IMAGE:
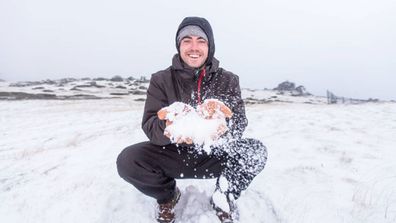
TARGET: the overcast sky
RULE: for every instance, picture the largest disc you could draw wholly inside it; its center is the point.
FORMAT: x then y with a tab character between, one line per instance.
346	46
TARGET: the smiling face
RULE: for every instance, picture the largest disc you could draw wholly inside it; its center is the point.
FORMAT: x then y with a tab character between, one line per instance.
194	51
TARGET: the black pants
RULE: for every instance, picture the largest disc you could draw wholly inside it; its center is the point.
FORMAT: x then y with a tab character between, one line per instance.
153	169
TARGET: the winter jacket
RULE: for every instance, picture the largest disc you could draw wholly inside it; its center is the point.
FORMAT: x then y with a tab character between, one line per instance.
178	83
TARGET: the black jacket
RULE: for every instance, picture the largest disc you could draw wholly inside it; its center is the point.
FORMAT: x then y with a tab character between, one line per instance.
178	83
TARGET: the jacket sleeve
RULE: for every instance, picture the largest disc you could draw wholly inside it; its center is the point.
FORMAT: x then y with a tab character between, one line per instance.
238	122
151	125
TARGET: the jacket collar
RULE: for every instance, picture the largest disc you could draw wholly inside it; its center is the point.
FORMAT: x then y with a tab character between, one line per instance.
188	73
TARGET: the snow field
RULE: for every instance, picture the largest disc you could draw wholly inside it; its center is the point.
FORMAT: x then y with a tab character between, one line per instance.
327	163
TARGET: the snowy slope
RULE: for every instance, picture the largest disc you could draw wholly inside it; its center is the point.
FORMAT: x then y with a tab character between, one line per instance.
327	163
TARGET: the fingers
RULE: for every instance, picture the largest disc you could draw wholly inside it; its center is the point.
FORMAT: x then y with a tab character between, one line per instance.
188	140
221	129
167	134
162	113
211	106
181	140
226	111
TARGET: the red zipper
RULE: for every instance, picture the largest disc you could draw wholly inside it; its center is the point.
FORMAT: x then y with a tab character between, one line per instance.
201	75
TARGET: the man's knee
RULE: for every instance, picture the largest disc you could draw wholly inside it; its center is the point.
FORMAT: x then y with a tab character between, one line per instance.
252	153
260	152
127	160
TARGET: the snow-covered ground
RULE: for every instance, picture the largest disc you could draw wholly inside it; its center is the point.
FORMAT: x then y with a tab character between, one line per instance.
327	164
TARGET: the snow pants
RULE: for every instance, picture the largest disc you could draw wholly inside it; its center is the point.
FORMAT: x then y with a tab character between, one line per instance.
152	169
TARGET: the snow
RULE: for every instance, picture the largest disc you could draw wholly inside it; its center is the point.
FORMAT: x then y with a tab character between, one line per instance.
327	163
218	197
195	124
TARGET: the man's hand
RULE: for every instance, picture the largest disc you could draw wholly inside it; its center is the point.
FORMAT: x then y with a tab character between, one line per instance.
213	108
174	110
169	114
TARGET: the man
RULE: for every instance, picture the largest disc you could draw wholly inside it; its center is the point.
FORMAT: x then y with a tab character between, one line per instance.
153	166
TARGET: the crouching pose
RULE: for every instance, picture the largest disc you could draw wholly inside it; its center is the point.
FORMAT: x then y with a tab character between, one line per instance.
194	76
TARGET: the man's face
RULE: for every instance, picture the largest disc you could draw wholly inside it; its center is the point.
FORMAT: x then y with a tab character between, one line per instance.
194	51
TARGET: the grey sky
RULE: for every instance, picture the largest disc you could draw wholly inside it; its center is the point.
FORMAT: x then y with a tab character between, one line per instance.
347	46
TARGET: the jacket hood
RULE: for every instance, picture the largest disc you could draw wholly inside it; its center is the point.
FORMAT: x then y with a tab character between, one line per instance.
205	26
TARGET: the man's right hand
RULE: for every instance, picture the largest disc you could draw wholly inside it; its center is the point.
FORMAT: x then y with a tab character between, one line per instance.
172	111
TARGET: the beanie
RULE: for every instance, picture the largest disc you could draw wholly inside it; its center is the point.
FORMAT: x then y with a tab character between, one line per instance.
190	30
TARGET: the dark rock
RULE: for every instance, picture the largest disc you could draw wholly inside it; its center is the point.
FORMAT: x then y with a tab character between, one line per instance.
37	88
137	92
28	96
24	96
75	88
25	84
140	99
285	86
120	87
48	81
100	79
300	91
117	78
64	81
48	91
373	100
250	100
290	87
94	84
142	88
79	97
118	93
83	85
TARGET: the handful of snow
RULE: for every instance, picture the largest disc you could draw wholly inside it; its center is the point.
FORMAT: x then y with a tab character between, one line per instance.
201	126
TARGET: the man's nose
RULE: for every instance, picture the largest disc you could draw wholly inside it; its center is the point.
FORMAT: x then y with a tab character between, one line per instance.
194	45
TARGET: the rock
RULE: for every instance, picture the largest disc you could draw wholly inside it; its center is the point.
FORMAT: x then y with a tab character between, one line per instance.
117	78
137	92
100	79
291	88
48	81
119	93
25	84
75	89
285	86
64	81
94	84
24	96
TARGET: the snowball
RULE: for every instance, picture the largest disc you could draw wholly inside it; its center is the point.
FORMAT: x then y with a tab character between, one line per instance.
195	124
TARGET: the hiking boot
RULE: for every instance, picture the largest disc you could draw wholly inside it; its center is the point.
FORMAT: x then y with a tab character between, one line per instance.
225	207
165	211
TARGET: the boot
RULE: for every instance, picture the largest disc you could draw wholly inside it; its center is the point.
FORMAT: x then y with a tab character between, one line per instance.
224	206
165	211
